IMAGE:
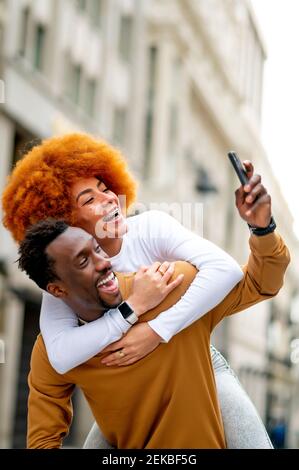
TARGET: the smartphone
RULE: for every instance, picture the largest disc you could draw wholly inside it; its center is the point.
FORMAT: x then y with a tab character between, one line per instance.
239	168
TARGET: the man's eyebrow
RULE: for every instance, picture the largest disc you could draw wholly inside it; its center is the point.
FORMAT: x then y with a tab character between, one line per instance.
89	190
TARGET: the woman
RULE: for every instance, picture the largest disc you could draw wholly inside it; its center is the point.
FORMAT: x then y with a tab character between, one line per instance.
79	179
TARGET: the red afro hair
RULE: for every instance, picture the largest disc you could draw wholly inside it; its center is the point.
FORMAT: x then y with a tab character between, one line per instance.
39	186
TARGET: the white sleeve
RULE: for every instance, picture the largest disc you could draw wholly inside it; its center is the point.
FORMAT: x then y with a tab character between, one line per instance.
69	345
218	274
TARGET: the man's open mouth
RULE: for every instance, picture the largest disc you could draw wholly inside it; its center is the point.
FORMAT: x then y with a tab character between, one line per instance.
108	284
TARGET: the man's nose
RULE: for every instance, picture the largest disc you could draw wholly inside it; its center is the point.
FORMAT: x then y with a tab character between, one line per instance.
101	263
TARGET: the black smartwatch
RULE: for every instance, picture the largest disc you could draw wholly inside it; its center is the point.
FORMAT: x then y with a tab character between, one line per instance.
128	313
263	231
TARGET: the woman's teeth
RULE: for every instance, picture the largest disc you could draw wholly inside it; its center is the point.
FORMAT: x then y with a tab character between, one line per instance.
111	215
107	279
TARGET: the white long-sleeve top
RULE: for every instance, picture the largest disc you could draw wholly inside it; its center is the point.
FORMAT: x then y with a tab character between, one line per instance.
151	236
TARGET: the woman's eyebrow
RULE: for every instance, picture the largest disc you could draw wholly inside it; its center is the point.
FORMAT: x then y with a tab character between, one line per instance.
85	191
89	190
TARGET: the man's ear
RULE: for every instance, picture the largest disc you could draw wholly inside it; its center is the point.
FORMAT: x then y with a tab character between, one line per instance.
56	290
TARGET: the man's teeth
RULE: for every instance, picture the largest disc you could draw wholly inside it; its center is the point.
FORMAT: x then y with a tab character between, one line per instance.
111	215
107	279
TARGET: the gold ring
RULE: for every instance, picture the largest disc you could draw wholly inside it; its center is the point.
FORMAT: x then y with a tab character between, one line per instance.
121	353
161	272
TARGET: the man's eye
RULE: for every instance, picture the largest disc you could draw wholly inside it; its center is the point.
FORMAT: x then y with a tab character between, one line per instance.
83	262
105	190
98	249
88	201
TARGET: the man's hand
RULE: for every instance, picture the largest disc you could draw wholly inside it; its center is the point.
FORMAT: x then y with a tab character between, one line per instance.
252	201
138	342
151	285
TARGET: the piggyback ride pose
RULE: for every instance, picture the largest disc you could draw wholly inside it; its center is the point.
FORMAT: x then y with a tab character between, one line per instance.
80	179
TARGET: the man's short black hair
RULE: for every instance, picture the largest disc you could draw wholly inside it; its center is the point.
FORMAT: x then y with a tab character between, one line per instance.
34	259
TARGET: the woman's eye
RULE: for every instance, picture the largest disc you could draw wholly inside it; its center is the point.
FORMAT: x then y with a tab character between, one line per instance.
98	249
88	201
105	190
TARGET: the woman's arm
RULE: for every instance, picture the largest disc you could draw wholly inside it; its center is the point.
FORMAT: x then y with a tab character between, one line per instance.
218	273
167	239
69	345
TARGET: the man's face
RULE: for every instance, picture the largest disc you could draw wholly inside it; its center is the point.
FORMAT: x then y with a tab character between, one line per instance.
86	277
97	209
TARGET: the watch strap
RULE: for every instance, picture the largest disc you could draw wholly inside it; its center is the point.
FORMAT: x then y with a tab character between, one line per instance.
263	231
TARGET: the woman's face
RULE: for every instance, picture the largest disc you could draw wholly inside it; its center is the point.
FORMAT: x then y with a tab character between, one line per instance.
97	209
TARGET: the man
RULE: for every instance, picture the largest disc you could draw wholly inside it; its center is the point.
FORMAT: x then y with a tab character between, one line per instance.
166	400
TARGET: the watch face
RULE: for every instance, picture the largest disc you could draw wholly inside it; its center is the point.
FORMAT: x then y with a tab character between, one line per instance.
125	310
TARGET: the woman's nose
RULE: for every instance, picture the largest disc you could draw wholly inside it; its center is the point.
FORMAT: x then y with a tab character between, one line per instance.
110	197
107	198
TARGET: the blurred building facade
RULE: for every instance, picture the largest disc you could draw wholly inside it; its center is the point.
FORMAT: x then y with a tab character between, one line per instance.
175	84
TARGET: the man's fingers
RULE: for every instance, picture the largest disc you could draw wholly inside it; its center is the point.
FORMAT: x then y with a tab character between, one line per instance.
172	285
256	179
249	168
263	200
240	192
258	190
240	196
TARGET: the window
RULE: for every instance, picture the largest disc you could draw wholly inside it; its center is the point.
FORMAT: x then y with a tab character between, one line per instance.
96	12
24	31
76	73
174	106
152	66
40	35
81	4
119	126
89	97
125	38
73	80
173	117
79	88
23	143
